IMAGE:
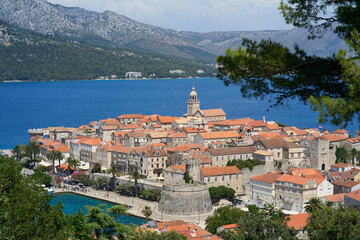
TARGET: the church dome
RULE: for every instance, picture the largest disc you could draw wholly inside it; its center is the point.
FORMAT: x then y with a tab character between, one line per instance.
193	93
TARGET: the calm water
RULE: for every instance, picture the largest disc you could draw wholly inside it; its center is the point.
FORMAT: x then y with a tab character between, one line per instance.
72	202
74	103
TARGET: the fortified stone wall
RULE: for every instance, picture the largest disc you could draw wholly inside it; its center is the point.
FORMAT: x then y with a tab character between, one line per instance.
188	199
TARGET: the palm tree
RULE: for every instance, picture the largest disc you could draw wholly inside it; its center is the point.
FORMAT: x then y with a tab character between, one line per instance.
313	204
59	156
33	149
52	156
72	162
117	210
18	149
136	176
113	170
147	211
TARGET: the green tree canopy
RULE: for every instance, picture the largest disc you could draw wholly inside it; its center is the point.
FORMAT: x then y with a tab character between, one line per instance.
223	216
26	212
330	84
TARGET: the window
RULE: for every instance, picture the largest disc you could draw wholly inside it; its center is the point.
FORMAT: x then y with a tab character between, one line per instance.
215	179
237	176
223	178
208	179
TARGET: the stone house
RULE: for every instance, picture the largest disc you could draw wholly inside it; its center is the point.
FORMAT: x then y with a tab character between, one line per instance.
165	122
135	139
176	138
352	199
274	146
106	131
88	149
149	162
175	174
118	136
262	189
299	222
221	156
292	192
211	115
156	137
129	118
121	157
222	176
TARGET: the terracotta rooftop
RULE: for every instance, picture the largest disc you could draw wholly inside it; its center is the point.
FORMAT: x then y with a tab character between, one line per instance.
234	122
298	221
213	112
335	197
267	177
341	165
354	140
232	150
271	143
166	119
336	138
257	123
220	135
340	131
109	127
92	141
131	126
217	171
177	167
293	179
110	121
126	116
354	195
295	130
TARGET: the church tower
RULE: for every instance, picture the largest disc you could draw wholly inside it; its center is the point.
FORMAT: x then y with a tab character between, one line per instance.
192	104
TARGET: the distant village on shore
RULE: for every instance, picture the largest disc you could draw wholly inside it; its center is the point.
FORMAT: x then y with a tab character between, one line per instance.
288	165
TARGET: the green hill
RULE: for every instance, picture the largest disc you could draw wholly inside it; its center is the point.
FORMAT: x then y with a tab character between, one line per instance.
27	55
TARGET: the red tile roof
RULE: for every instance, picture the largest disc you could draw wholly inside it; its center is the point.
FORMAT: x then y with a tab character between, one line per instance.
92	141
232	150
221	135
217	171
298	221
336	138
213	112
177	167
267	177
354	195
125	116
292	179
335	197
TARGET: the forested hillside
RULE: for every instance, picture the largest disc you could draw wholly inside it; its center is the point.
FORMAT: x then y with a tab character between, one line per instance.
27	55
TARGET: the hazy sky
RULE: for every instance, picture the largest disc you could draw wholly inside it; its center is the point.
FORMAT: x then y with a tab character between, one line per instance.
193	15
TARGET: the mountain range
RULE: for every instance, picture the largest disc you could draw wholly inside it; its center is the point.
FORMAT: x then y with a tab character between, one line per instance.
111	29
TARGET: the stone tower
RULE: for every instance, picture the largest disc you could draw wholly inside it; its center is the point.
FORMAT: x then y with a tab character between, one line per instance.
193	104
192	166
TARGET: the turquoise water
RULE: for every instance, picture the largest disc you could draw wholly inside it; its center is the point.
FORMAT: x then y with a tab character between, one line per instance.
72	202
27	105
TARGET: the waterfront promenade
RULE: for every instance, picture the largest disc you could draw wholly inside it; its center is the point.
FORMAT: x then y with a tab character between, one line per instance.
136	205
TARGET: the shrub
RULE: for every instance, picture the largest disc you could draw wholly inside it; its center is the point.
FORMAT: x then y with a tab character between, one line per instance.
151	194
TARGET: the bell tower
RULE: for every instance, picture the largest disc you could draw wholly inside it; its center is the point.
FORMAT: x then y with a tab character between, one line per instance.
193	104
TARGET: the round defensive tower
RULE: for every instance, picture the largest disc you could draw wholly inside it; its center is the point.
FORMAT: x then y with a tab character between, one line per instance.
185	199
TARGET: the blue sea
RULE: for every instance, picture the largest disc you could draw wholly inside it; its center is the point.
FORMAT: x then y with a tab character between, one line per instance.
25	105
73	202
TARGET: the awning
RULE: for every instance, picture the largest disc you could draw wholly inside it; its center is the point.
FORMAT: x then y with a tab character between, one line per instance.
104	168
45	164
84	166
